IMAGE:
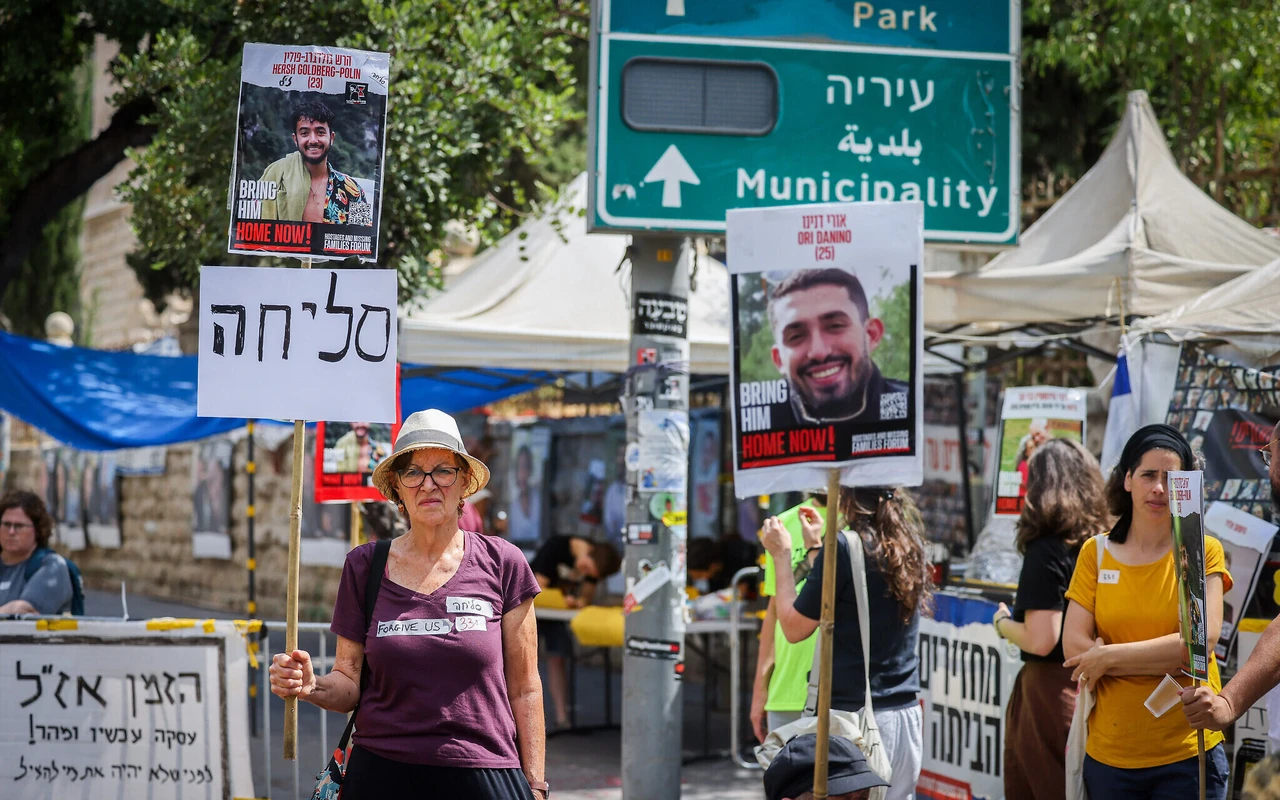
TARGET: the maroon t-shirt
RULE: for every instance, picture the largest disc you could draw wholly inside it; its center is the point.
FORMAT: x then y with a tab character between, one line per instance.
437	690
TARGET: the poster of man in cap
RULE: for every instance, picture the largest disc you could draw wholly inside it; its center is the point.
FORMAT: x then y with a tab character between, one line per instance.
308	165
827	344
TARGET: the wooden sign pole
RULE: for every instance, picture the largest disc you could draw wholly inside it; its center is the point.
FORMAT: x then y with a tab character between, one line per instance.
827	624
1200	749
295	568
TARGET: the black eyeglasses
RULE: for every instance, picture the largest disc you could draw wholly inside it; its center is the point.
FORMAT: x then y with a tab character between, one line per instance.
15	526
442	476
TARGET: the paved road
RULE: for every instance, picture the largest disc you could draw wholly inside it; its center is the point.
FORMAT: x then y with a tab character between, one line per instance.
580	766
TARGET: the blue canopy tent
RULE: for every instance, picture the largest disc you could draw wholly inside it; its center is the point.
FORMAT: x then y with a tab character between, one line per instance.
105	400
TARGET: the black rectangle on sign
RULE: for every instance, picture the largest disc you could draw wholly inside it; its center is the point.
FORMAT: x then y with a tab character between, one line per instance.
653	648
657	314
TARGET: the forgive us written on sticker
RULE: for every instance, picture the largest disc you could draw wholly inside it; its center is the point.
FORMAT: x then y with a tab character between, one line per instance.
415	627
468	605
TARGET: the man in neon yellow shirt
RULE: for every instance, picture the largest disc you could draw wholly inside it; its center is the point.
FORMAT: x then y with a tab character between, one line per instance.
782	668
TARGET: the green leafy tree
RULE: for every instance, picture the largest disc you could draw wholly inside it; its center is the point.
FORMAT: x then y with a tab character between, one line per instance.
893	307
481	91
1209	67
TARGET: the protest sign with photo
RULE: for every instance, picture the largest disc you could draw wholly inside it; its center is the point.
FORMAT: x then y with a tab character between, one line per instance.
102	500
310	135
306	344
326	526
530	446
1186	501
704	474
827	345
69	486
352	450
1246	541
1032	416
211	499
1227	413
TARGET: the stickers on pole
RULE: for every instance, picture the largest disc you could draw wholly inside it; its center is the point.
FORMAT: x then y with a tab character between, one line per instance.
827	345
664	450
1032	415
657	314
654	648
1186	501
308	172
651	580
297	344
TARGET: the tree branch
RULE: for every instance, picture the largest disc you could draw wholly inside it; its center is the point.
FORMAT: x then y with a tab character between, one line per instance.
67	179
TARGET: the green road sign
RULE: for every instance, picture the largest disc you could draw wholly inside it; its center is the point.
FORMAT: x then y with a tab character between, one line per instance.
687	127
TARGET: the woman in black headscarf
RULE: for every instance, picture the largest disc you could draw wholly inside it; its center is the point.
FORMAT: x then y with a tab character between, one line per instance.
1121	635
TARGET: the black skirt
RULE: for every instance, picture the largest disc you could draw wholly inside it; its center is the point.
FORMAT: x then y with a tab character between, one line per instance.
372	777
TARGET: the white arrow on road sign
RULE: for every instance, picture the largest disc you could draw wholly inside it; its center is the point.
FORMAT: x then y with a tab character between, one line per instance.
672	170
675	8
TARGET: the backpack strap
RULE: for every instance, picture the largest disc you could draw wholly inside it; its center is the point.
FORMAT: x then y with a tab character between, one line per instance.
373	583
34	561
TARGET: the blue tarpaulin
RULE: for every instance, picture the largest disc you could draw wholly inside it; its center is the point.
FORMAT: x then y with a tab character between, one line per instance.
105	400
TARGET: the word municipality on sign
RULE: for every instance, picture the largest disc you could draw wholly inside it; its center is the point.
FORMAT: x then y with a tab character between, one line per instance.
701	106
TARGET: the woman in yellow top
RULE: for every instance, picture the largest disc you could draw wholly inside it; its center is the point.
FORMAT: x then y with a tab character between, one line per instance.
1121	634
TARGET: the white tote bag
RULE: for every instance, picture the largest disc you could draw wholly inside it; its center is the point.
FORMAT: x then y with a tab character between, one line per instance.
857	726
1078	736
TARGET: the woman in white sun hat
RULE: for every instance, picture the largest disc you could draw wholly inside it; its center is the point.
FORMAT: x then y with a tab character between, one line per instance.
452	706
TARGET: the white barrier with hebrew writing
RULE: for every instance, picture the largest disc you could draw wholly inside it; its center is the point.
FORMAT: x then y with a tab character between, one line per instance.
123	709
966	674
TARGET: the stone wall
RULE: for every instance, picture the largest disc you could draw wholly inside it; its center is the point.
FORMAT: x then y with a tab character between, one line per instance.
155	556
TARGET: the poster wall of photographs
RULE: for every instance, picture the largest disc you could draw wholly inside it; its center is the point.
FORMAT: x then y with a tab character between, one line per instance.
704	475
1186	501
1227	412
309	118
1031	416
69	485
211	498
827	345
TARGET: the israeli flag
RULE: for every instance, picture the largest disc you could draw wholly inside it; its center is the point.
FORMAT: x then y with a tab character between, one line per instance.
1122	416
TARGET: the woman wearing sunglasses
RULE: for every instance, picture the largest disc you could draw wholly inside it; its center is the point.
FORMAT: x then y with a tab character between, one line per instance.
452	706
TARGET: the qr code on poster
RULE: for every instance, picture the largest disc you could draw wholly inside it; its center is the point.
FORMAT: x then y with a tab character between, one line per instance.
893	405
360	214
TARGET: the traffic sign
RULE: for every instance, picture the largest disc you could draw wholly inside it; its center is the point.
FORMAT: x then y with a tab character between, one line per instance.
687	126
973	26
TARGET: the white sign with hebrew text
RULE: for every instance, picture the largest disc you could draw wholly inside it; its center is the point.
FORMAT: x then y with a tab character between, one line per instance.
287	343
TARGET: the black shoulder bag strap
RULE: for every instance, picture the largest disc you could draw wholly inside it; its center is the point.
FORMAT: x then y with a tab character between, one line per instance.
372	584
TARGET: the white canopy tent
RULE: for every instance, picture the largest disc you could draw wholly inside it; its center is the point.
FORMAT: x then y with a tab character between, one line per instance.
1133	216
551	297
1244	313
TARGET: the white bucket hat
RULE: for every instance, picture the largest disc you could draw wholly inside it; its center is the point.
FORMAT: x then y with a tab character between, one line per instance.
429	430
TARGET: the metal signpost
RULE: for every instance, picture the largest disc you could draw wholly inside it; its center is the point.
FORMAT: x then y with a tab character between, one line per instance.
704	106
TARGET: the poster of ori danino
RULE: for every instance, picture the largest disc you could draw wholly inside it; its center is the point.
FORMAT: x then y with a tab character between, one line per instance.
827	345
1032	415
310	137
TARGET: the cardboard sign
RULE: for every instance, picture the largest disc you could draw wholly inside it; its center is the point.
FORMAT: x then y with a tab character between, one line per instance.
297	344
1032	416
827	345
308	172
1186	501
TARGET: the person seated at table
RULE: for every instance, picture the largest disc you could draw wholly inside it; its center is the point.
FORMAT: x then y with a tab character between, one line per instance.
575	565
714	562
790	774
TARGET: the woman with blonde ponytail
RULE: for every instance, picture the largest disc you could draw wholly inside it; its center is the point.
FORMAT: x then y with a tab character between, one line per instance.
898	589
